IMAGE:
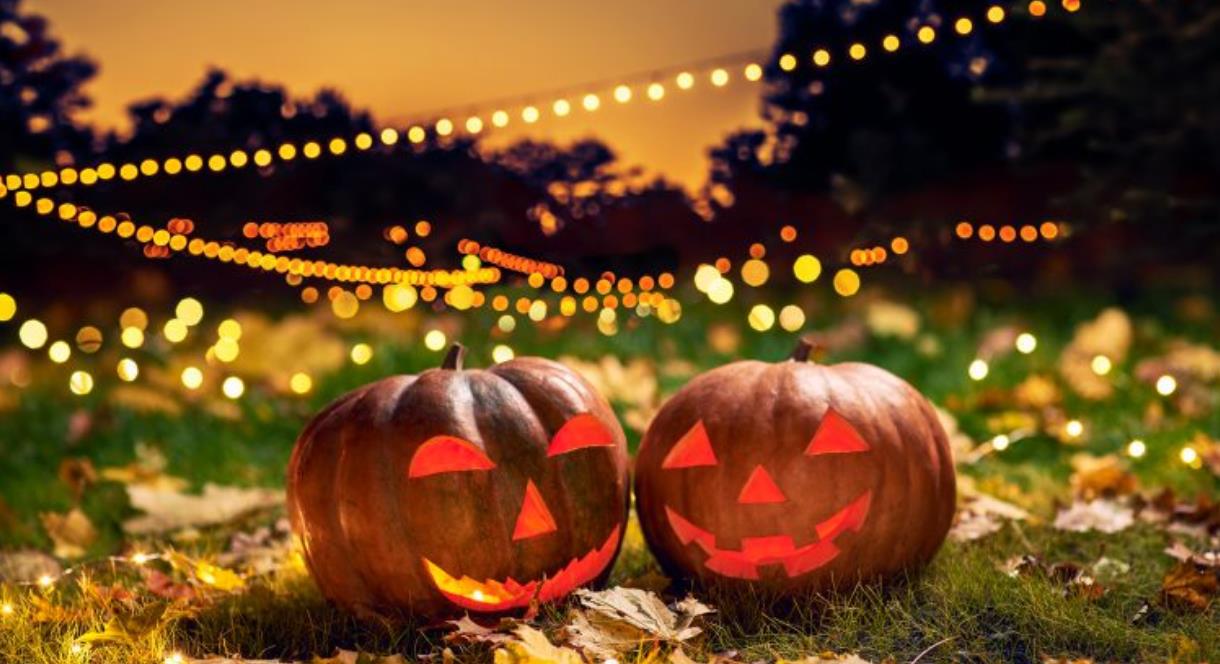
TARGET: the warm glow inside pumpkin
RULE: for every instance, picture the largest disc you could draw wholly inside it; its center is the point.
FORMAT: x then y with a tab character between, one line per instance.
461	490
794	475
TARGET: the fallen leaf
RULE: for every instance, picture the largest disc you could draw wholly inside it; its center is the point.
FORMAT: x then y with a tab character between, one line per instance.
1189	587
646	611
826	658
163	585
1104	516
167	510
78	474
468	631
891	319
532	647
982	515
72	532
218	577
1101	477
1182	553
27	566
147	469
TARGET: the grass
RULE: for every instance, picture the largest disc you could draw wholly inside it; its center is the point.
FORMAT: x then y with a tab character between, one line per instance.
962	604
962	607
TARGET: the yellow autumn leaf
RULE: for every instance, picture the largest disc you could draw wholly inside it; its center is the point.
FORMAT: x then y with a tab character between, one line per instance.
218	577
532	647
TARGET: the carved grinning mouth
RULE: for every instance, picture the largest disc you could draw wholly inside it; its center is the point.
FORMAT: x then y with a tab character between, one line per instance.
773	549
493	595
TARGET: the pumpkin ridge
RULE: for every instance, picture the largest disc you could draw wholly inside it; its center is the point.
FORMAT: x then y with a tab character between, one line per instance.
328	425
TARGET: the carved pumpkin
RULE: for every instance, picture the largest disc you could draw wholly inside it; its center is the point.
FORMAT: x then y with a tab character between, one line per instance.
794	476
457	491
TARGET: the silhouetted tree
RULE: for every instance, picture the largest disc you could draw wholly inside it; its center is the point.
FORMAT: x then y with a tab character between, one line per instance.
888	122
40	92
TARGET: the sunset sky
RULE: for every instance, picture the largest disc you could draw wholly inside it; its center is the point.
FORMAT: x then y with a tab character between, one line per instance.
405	60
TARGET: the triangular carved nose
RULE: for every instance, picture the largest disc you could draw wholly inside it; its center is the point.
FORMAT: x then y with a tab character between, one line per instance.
534	519
760	488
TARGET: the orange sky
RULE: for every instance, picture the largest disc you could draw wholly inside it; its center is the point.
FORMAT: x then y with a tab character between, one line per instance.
401	59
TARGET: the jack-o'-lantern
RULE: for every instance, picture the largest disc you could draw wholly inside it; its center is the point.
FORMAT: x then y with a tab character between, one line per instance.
794	476
461	490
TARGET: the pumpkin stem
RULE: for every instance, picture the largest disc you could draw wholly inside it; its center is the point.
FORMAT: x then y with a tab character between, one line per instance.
805	347
453	359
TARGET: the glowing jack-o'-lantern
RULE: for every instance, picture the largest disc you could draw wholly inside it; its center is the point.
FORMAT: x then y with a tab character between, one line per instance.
461	490
794	476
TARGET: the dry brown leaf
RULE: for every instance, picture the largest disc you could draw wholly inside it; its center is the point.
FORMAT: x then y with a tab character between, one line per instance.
982	515
1105	516
72	532
1189	587
532	647
78	474
646	611
171	510
469	631
1101	477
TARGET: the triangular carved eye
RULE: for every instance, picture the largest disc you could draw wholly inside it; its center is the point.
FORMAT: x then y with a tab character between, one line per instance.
836	435
583	430
693	449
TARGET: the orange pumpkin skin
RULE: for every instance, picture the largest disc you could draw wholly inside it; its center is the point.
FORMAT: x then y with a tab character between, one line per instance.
794	477
456	491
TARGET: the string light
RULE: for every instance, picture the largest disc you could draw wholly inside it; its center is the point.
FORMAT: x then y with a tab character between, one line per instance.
233	387
1166	385
300	383
435	340
1074	428
192	378
1136	449
1026	343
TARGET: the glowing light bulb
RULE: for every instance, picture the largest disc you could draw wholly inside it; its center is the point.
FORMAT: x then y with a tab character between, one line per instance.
33	333
192	378
622	94
821	57
444	127
8	307
233	387
1136	449
1101	365
591	102
720	77
891	43
474	124
1000	443
175	330
1026	343
1074	428
721	291
59	352
530	114
189	311
926	34
857	51
434	340
389	136
501	353
787	62
847	282
300	383
978	369
761	317
132	337
80	382
807	268
127	369
561	107
753	72
361	353
1166	385
45	580
1189	456
499	119
685	80
656	91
